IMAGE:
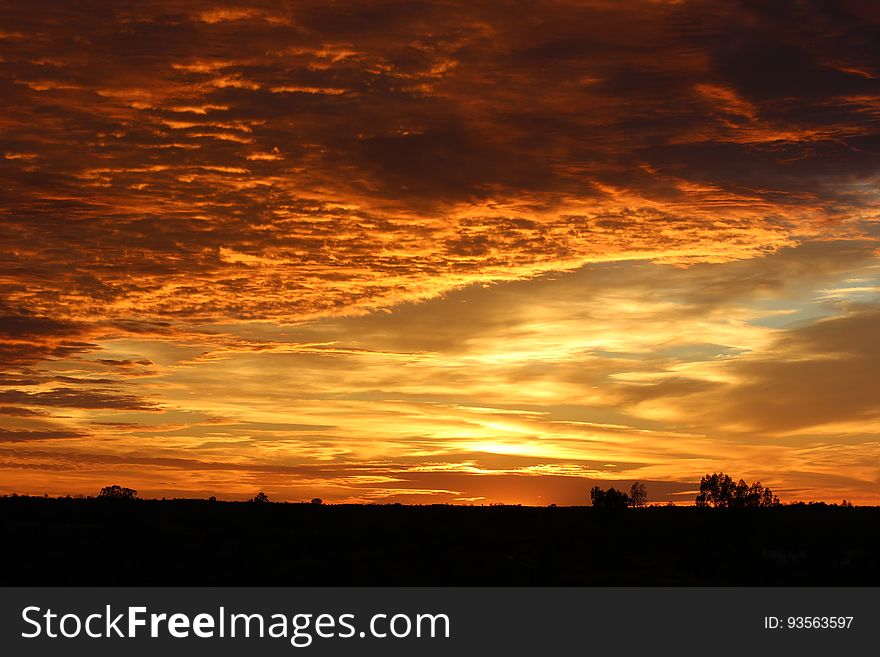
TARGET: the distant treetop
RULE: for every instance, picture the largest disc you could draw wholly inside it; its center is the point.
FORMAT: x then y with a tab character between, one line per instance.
117	493
718	491
616	499
638	494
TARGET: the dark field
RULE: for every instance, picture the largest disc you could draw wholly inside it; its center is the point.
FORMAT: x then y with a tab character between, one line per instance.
195	542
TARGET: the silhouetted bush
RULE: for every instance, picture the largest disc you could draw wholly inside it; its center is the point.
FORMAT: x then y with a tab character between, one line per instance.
260	497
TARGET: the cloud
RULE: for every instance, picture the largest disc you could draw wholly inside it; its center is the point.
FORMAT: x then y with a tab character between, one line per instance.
70	398
416	148
21	412
611	239
28	326
821	374
26	435
26	339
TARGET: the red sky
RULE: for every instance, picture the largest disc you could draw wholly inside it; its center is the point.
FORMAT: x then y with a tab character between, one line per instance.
439	251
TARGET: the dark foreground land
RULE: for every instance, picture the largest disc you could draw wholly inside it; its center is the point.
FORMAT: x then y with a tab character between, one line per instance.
194	542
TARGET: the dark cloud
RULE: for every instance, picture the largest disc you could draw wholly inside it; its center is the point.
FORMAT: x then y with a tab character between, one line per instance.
69	398
28	435
19	381
20	412
828	372
810	50
27	338
236	161
73	379
125	363
28	326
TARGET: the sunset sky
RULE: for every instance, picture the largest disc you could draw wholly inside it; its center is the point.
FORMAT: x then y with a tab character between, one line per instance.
416	252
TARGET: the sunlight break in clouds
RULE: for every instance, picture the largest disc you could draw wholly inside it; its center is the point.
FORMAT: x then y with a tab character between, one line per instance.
414	252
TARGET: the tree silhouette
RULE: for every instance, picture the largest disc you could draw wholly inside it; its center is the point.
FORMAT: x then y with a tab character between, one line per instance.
610	499
718	491
617	499
117	493
638	494
317	500
260	497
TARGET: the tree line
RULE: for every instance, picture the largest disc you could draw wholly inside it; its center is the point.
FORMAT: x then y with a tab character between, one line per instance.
617	499
717	490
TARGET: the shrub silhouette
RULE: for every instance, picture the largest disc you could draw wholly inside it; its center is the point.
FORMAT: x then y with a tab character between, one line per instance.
718	491
260	497
117	493
317	500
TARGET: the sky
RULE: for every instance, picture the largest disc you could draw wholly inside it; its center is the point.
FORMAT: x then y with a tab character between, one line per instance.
449	251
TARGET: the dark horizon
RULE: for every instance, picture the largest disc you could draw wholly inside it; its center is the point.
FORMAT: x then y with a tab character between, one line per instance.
201	543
